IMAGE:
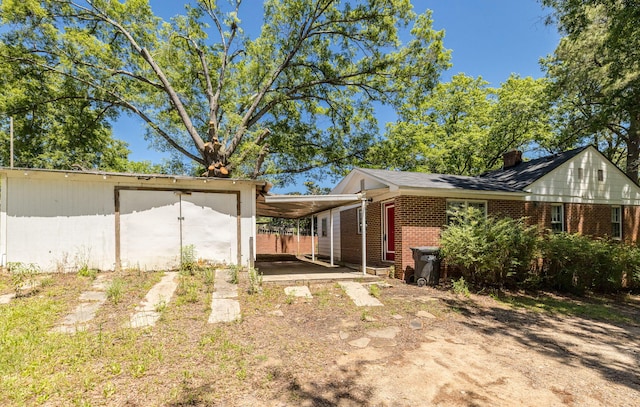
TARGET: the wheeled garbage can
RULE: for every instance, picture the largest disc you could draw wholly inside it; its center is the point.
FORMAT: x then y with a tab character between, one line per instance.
427	265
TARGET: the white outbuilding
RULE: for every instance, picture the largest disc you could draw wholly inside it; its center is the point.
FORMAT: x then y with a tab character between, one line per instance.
63	220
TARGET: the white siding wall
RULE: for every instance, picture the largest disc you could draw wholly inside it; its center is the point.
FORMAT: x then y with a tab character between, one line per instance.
564	184
59	224
58	221
324	242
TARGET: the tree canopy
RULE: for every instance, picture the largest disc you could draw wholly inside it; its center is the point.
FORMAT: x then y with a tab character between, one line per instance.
595	76
464	126
299	95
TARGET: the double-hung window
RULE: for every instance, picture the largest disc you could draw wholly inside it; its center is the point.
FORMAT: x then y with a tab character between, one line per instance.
616	222
455	205
557	218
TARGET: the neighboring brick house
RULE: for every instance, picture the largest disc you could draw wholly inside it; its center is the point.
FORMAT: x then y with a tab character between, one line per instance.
577	191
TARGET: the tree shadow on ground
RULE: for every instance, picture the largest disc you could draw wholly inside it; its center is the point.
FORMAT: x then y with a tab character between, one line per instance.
342	385
610	348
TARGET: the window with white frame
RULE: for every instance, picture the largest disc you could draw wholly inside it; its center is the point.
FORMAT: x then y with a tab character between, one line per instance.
359	219
456	205
557	218
616	222
324	227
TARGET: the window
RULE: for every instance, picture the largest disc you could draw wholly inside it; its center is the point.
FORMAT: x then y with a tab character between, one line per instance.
580	173
324	227
557	218
600	175
454	206
616	222
359	220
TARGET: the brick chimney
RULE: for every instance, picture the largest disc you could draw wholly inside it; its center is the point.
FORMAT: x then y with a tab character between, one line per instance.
511	158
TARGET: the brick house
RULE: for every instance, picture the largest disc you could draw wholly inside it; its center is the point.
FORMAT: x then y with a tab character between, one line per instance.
577	191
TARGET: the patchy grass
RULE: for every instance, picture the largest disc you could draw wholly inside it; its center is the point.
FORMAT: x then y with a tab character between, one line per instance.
267	357
592	307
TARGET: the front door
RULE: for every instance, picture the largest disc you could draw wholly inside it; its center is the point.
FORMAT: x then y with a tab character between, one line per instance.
389	236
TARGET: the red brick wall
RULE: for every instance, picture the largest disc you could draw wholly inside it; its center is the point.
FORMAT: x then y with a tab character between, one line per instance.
418	221
511	209
631	223
278	244
587	219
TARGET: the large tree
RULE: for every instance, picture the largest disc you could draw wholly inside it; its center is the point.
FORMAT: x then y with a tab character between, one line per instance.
54	135
595	72
299	95
464	126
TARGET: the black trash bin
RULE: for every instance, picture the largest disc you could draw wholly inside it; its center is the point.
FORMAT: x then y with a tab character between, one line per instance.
427	265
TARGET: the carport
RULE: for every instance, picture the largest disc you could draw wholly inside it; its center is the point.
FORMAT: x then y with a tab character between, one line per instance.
302	206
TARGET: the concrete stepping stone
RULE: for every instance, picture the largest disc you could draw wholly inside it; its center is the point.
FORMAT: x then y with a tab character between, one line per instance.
147	313
224	306
359	294
425	314
6	298
360	343
90	303
384	333
298	291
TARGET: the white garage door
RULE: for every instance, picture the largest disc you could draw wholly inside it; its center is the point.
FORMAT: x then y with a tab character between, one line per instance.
151	223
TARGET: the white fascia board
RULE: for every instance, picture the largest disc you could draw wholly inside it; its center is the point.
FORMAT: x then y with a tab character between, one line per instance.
124	178
311	198
464	193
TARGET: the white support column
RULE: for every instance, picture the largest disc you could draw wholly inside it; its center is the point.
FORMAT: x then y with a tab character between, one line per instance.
298	230
364	236
331	233
313	241
4	191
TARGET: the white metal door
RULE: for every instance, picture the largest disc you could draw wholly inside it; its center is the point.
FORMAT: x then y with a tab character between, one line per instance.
153	225
149	229
209	223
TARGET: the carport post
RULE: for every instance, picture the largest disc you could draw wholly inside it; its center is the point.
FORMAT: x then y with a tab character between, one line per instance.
298	230
331	232
313	245
364	235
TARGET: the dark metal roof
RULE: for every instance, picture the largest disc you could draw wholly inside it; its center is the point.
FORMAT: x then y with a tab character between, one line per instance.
438	181
526	173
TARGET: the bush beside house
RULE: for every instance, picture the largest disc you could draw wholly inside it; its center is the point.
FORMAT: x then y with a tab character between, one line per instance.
506	252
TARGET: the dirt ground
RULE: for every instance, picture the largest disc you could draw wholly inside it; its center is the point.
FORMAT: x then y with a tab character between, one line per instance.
461	352
424	347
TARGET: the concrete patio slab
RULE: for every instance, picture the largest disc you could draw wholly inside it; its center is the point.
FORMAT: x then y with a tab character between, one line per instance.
224	310
90	303
224	306
159	296
6	298
359	294
298	291
297	271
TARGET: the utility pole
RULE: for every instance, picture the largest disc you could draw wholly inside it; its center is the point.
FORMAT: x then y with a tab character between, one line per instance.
11	142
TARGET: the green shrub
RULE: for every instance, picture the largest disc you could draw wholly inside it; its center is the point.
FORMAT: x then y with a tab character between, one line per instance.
188	261
576	263
115	290
489	250
460	287
255	281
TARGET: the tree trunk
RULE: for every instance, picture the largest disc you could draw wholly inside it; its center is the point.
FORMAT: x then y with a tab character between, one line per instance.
633	146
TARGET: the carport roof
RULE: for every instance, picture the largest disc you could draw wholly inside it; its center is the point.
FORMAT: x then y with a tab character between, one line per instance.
300	206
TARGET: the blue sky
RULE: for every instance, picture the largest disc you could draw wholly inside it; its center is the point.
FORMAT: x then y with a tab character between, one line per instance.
488	38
